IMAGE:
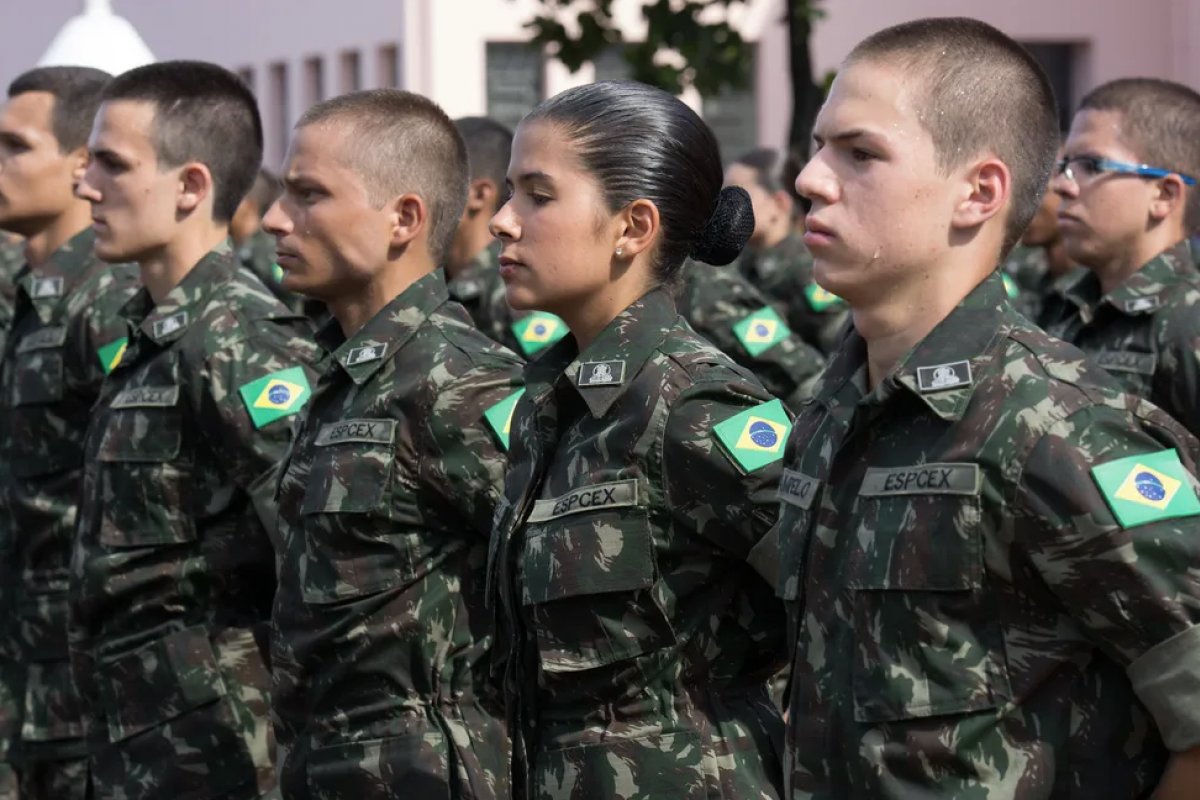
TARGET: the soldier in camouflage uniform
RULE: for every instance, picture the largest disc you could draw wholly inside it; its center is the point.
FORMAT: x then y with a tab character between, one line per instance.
1136	310
471	267
724	308
64	336
388	495
1038	268
173	571
643	464
776	262
963	483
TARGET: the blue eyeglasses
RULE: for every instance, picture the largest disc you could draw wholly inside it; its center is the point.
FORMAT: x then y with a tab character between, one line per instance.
1091	166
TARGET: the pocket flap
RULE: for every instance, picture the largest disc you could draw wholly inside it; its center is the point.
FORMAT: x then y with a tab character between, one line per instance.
142	434
584	556
158	682
348	476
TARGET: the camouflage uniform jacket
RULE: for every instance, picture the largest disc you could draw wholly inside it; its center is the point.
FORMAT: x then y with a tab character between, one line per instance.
480	289
173	572
1146	332
972	614
66	332
724	308
784	274
642	639
12	257
381	641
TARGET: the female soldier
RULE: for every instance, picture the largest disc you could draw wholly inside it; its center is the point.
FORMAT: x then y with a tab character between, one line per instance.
643	470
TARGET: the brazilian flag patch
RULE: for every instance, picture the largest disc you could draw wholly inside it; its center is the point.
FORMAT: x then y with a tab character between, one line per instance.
761	331
111	354
1010	286
275	396
819	299
499	417
755	437
538	331
1147	488
277	273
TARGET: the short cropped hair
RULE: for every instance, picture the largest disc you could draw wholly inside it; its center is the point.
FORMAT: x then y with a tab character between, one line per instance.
402	142
765	163
76	91
1160	123
202	113
977	91
489	146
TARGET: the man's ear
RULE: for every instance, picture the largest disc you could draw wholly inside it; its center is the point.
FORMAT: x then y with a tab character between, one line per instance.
987	187
79	163
195	184
408	219
1170	196
481	197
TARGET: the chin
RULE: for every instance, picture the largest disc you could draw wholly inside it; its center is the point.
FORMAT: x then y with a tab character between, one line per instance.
520	298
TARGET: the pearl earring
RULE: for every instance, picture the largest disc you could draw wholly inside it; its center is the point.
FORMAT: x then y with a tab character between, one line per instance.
620	252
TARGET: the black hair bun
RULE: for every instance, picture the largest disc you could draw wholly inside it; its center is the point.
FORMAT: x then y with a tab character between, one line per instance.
728	229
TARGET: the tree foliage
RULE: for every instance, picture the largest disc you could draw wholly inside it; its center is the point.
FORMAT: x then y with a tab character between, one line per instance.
710	54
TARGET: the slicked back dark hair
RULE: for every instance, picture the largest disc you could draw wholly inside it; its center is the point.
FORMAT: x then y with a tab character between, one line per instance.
76	91
202	113
1160	123
401	142
977	92
766	165
489	146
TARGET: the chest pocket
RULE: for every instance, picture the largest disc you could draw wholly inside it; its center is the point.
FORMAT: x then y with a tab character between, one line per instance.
928	641
145	480
354	543
797	495
38	368
587	575
46	443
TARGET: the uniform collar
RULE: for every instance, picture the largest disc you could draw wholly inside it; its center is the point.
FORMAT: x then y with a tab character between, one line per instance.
167	321
602	372
361	355
942	370
47	284
1143	292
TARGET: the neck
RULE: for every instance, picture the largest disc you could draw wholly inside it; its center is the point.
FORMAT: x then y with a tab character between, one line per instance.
904	316
355	309
775	236
62	229
588	319
166	268
471	240
1131	259
1057	261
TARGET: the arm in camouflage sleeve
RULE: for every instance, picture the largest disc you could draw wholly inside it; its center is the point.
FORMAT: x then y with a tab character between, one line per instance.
732	509
464	462
1181	368
1133	589
251	452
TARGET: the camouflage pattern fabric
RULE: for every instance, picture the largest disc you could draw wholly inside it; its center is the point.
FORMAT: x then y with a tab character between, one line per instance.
12	258
642	640
381	641
784	274
1024	273
67	312
173	572
968	614
724	308
1146	332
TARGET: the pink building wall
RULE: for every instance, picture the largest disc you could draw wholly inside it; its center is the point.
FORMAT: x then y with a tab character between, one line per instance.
440	44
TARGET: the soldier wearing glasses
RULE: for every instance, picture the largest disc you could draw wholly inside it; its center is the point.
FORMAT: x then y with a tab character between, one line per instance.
1129	197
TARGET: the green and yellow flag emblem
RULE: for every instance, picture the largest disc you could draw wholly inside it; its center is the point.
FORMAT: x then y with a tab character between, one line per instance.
819	299
277	273
499	417
1010	286
761	331
275	396
755	437
111	354
1146	488
538	331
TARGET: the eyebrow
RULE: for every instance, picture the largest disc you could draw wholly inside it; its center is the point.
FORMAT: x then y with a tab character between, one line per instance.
847	135
107	155
526	177
298	183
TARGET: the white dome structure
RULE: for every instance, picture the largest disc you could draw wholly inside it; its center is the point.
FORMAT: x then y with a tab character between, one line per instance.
98	38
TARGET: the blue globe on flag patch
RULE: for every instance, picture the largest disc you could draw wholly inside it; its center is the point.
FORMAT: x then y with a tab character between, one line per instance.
763	434
539	329
1149	486
762	330
279	394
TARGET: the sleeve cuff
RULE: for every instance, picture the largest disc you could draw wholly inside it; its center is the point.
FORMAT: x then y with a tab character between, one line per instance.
1167	679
